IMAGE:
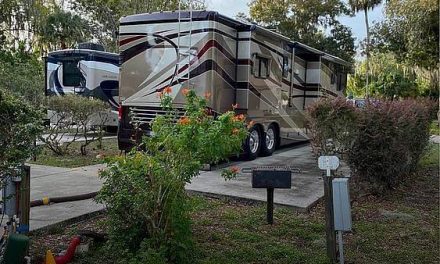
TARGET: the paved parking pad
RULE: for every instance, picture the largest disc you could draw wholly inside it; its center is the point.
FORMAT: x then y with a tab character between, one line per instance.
307	186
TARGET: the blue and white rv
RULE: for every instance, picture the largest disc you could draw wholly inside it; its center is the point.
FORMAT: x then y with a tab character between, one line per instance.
86	71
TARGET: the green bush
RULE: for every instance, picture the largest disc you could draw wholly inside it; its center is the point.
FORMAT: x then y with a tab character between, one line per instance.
383	142
144	191
73	115
20	124
332	126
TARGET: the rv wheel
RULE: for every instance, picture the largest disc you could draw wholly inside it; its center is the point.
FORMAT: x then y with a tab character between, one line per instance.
269	141
252	145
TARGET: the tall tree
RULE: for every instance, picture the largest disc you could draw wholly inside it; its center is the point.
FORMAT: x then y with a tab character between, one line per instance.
61	29
365	5
411	31
307	21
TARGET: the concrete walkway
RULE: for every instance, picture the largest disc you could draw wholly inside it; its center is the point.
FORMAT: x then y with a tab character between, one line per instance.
307	186
56	181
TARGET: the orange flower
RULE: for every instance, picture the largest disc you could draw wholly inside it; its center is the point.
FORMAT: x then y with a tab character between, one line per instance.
235	131
235	106
235	169
185	91
239	118
251	124
159	94
207	95
168	90
184	121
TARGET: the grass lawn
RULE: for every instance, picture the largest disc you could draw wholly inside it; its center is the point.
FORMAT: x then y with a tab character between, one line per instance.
399	227
74	158
434	128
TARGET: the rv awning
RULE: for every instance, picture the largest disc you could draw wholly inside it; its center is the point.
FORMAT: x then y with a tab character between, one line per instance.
323	55
335	59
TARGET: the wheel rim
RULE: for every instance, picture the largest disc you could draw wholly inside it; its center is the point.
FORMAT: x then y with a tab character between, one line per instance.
270	138
254	141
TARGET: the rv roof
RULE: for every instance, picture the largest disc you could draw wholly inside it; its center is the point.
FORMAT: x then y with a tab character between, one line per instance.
173	16
59	53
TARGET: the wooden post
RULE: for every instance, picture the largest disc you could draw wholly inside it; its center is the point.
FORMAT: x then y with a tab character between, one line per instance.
25	198
270	206
329	221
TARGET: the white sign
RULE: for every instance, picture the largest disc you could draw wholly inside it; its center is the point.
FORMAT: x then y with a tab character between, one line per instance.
328	162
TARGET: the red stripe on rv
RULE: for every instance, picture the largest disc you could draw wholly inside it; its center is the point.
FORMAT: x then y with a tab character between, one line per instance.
128	40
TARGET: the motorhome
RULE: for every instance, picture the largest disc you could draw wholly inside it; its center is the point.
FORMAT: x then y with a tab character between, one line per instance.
86	71
271	78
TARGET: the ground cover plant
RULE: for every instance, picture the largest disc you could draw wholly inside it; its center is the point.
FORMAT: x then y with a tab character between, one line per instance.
399	227
148	208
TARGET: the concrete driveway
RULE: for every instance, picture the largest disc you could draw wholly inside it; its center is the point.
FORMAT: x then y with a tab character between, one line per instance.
307	186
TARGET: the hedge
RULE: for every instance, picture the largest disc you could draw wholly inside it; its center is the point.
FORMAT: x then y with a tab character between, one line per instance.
381	142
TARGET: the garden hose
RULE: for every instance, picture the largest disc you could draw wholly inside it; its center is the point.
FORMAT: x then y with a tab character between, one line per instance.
47	200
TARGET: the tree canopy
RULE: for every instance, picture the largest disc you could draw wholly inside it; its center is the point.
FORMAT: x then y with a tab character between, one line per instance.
311	22
410	31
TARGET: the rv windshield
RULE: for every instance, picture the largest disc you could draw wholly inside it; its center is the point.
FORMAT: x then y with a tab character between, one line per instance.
71	73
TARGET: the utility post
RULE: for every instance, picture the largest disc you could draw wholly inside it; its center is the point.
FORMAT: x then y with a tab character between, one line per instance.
329	164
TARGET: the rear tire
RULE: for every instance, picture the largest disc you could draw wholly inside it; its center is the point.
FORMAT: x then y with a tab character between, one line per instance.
252	144
269	141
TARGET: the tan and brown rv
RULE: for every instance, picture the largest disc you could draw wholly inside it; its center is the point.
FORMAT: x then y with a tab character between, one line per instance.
271	78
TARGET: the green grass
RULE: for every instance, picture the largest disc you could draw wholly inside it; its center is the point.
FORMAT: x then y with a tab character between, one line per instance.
229	231
74	158
431	157
434	128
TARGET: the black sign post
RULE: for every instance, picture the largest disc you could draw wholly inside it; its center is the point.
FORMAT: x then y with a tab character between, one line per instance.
271	179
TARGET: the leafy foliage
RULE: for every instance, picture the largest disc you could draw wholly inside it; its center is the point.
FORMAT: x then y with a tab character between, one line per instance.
144	191
410	31
383	141
61	29
331	125
20	124
388	79
21	73
73	115
303	21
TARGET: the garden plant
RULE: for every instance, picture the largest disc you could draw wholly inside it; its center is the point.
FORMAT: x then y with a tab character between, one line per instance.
381	142
148	208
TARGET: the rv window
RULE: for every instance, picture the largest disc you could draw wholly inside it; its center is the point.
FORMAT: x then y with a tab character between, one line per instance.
71	73
285	67
261	67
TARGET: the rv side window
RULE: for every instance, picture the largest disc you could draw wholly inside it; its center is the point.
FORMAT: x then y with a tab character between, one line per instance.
71	73
261	67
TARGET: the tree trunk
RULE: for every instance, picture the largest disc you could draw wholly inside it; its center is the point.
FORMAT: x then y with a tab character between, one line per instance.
367	51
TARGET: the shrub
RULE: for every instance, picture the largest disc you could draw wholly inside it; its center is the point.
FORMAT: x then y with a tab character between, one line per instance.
144	191
332	126
72	115
383	141
20	124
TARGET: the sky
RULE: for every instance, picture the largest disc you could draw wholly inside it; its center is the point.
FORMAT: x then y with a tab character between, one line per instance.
357	23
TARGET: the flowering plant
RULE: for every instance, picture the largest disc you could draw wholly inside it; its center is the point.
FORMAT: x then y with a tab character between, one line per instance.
149	184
